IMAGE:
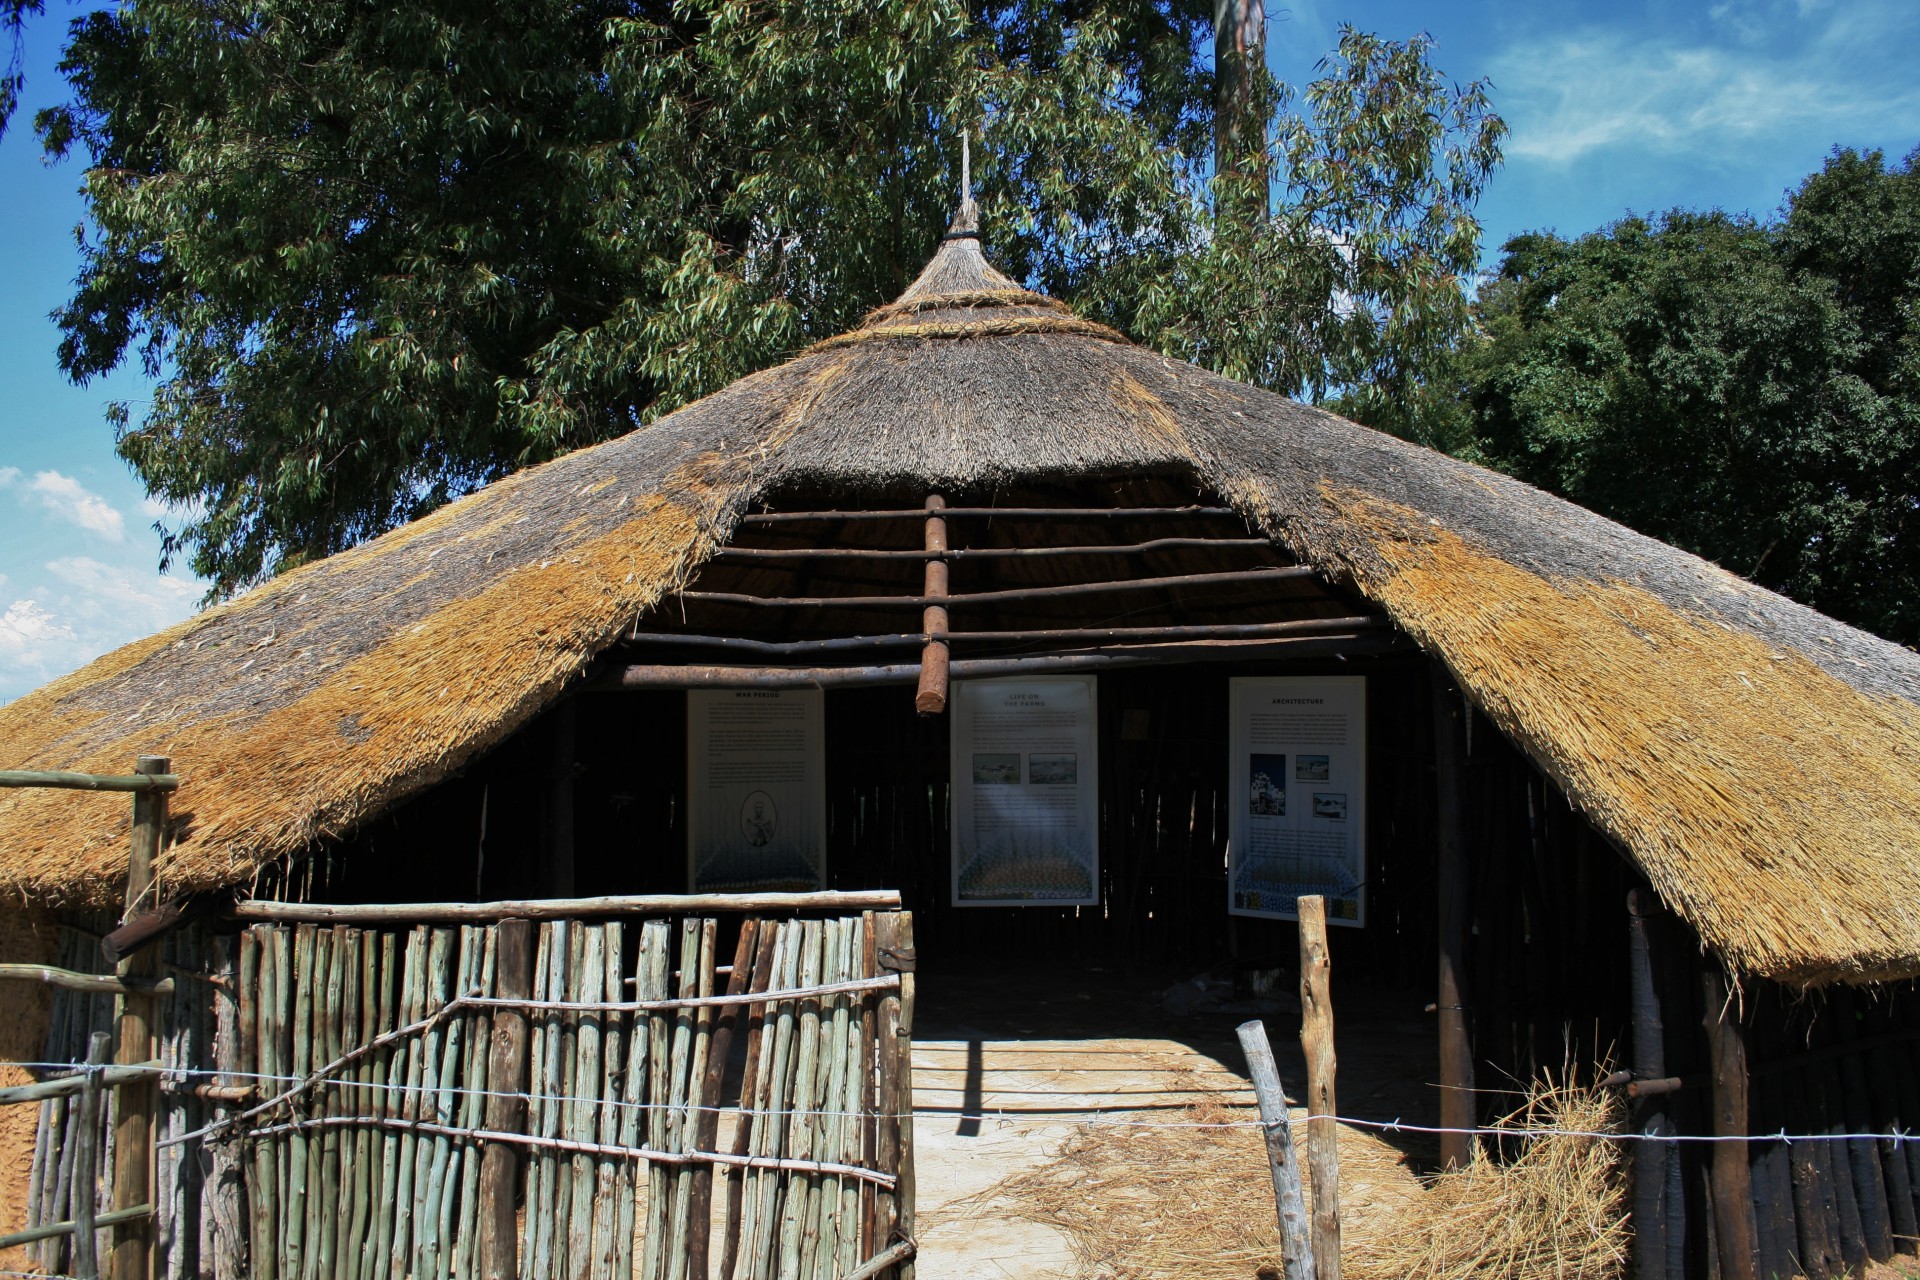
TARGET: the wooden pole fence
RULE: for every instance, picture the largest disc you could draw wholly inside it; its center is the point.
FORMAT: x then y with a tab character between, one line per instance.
1316	1038
1296	1232
658	904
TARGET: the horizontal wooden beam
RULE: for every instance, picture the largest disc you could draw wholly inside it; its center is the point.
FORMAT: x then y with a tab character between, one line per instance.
656	904
1084	635
919	513
1279	573
64	1085
690	676
110	1218
68	781
988	553
149	927
101	984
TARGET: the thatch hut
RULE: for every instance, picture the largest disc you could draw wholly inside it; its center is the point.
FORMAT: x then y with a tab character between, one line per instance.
491	703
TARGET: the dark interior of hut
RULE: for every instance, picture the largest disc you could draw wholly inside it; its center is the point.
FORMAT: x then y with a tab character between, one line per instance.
604	771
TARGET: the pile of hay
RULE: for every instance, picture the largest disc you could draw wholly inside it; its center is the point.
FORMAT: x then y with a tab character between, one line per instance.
1154	1203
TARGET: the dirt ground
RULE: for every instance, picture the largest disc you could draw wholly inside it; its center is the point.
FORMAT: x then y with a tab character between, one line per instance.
1005	1072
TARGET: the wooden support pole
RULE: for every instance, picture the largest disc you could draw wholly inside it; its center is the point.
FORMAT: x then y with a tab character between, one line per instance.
1218	578
560	802
904	959
94	983
1456	1048
133	1130
1296	1233
1735	1230
70	781
931	697
506	1105
1652	1258
992	513
1316	1039
86	1163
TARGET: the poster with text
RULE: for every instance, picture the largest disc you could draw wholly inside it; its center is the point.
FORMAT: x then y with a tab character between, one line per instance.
1298	796
1026	817
756	790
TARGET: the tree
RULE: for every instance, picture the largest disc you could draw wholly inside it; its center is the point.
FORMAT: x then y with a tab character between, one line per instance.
385	253
1747	390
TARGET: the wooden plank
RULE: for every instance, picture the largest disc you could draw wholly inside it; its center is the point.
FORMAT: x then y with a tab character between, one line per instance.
1735	1232
655	904
1296	1230
136	1101
507	1071
1316	1039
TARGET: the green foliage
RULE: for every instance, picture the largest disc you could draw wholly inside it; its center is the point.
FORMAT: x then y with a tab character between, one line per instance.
383	254
1749	391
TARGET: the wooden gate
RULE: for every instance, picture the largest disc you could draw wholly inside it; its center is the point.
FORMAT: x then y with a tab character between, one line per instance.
416	1076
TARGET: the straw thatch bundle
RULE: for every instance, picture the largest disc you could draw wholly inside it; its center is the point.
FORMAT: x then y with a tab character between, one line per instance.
1760	761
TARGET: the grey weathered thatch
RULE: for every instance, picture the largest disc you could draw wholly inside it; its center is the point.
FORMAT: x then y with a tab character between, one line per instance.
1760	761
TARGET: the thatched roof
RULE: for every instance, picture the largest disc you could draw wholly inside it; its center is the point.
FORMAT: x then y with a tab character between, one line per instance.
1761	762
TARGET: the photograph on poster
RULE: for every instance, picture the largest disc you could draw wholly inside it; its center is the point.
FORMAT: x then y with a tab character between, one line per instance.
756	790
1036	843
1289	836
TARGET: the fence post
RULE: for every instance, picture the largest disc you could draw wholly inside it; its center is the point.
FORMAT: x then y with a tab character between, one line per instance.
506	1108
133	1130
1316	1038
1733	1218
1296	1237
86	1162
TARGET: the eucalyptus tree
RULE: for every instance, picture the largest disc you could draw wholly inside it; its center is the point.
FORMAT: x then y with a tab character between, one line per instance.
381	254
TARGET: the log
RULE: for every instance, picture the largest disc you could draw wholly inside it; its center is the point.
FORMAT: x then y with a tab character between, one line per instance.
142	782
135	1102
93	983
86	1163
931	698
989	553
149	927
659	904
1296	1232
1735	1231
897	1252
1051	513
54	1230
1316	1039
64	1086
1456	1047
707	1125
697	676
1650	1253
1088	636
1216	578
506	1109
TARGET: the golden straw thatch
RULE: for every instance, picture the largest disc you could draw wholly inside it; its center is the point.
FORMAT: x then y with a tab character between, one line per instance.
1761	762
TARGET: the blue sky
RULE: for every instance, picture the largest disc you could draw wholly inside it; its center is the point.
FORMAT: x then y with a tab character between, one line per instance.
1614	108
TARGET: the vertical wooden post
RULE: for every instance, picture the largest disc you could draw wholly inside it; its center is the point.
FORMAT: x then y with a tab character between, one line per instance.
86	1162
226	1180
904	961
506	1104
560	802
707	1113
1734	1228
1316	1038
1456	1049
133	1130
1296	1233
1651	1259
931	697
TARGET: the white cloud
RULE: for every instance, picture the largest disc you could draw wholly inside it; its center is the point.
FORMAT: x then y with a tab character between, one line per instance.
34	647
1812	79
129	604
74	502
9	476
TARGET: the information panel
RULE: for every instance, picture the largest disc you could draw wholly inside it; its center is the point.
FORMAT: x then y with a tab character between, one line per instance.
1298	796
1026	816
756	790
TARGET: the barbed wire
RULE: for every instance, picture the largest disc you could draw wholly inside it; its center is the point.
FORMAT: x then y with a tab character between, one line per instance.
1118	1116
